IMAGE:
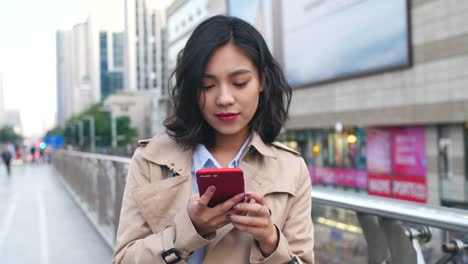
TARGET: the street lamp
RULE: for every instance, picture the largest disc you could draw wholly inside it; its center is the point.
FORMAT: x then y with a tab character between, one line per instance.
92	133
80	133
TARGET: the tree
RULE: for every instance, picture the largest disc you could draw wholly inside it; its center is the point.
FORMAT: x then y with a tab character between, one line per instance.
7	134
102	122
125	132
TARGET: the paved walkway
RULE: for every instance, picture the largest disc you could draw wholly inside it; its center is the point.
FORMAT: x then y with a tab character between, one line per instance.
40	223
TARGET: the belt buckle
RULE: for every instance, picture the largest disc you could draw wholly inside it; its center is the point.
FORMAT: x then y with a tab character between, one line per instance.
171	256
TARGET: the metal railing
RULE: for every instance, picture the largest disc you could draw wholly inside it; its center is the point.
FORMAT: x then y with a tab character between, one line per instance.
395	230
381	230
96	182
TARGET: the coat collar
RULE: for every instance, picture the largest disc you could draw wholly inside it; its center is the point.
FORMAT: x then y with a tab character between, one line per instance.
260	146
163	150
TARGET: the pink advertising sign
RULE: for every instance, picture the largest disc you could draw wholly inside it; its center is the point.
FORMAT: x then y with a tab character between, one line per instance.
410	188
340	177
409	151
378	150
361	179
380	185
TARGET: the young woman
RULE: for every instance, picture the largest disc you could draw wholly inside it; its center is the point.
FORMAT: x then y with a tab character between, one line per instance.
230	101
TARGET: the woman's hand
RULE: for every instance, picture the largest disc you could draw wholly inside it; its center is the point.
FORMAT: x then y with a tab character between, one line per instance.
256	222
206	219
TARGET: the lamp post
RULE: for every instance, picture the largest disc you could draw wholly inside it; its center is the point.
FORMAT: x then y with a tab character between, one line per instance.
80	133
92	133
73	133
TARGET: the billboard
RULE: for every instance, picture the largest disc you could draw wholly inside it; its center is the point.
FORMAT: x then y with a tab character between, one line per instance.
378	150
330	40
409	152
396	162
258	13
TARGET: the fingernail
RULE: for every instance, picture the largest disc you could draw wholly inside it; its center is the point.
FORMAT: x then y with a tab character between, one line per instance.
211	188
253	200
236	206
228	216
247	195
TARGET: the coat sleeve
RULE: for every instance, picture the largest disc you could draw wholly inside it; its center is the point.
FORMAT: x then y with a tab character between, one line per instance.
136	243
296	239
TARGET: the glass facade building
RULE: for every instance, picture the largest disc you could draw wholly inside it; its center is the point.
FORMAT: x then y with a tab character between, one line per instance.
111	62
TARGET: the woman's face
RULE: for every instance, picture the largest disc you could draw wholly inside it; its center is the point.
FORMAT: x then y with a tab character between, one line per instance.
231	89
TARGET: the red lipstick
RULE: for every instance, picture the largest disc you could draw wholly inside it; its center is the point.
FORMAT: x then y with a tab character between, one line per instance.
227	116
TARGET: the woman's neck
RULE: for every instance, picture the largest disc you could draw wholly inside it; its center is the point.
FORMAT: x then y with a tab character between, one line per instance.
227	146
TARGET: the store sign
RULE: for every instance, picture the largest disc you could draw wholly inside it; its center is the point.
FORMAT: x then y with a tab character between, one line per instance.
361	179
380	185
409	152
410	188
378	151
339	177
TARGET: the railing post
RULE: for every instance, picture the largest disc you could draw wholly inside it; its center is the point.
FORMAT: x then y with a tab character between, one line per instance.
377	248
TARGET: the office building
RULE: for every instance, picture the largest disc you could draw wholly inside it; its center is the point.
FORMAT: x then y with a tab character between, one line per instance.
13	120
111	62
75	88
143	45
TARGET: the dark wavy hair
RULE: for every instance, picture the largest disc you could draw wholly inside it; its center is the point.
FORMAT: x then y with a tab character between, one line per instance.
186	124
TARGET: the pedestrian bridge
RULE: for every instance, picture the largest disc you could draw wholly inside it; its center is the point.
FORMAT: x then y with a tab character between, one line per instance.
68	212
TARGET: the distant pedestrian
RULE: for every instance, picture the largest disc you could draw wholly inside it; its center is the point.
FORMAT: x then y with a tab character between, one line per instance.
33	154
6	157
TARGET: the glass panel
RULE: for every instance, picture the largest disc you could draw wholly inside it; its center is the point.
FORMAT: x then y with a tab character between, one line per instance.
338	236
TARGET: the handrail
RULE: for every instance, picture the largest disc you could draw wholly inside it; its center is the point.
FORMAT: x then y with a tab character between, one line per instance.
435	216
95	156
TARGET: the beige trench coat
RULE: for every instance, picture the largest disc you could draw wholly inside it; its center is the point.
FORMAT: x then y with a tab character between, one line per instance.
154	214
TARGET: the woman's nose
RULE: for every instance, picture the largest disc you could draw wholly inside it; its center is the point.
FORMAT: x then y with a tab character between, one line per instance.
225	96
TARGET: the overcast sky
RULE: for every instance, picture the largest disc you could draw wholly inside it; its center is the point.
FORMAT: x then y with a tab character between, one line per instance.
27	52
27	56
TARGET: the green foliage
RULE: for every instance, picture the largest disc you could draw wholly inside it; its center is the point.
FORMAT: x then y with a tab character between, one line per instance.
126	134
7	134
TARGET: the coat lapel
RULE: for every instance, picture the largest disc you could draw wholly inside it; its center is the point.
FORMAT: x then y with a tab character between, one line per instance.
164	151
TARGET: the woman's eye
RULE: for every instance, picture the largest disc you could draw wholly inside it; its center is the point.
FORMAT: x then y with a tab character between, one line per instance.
243	84
206	87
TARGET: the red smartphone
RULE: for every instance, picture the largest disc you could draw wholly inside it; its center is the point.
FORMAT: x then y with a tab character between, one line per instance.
228	182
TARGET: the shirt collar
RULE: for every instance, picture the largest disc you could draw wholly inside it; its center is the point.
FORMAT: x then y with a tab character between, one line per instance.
163	150
202	158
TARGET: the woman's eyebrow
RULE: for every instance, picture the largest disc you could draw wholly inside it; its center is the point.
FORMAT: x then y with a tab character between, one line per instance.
238	72
234	73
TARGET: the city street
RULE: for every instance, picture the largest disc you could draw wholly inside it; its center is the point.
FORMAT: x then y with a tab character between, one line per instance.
40	223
